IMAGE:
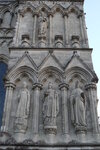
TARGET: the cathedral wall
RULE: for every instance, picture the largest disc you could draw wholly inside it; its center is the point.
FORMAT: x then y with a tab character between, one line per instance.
50	83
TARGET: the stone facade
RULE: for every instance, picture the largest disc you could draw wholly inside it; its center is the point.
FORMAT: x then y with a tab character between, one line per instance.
51	94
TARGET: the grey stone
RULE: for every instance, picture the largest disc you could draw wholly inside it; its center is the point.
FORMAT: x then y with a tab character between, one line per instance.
46	42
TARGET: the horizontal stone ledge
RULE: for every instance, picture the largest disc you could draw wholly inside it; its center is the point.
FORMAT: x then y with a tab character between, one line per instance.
55	0
48	49
50	147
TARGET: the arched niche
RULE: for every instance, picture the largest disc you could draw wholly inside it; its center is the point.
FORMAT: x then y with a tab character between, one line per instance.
6	19
3	69
15	74
19	77
83	77
50	76
58	24
14	17
73	23
26	25
50	71
84	74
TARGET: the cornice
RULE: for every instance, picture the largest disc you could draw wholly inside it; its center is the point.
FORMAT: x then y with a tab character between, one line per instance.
49	49
7	1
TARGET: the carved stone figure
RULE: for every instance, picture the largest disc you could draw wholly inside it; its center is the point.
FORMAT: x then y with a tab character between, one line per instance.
23	109
75	39
78	108
50	106
59	41
42	25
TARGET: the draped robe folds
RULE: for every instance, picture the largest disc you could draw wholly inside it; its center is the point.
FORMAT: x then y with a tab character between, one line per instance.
23	109
42	26
50	107
78	108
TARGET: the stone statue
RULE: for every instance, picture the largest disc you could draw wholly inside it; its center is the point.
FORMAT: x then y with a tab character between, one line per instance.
78	108
23	109
42	25
50	106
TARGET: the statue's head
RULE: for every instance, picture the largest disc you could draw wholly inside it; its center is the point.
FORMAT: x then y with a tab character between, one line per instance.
50	85
24	84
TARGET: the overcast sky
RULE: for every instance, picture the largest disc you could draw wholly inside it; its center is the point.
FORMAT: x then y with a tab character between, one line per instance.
92	10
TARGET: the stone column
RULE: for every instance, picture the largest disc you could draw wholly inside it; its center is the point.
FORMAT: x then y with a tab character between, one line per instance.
34	29
64	93
84	31
66	29
50	30
7	107
81	29
16	37
92	94
36	87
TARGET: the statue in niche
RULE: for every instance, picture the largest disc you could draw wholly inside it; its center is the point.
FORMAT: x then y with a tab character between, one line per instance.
42	25
50	106
78	108
23	109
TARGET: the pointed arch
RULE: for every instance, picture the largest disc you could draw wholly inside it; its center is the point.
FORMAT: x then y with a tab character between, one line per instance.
57	8
26	9
43	7
48	71
77	71
73	9
4	58
21	71
9	33
6	9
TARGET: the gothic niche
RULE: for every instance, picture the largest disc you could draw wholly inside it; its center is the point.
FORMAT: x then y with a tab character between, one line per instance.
77	102
22	113
6	23
50	109
42	29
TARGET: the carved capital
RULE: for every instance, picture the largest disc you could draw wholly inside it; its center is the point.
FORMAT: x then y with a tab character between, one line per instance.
10	84
37	85
63	86
50	14
50	129
35	14
65	15
91	85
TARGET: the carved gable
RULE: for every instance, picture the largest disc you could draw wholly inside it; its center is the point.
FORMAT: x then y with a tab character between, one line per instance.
51	61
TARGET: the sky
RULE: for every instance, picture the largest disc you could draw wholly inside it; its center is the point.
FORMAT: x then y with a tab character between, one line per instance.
92	10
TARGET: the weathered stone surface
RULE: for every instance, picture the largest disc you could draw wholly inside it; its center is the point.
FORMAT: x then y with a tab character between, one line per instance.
46	48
